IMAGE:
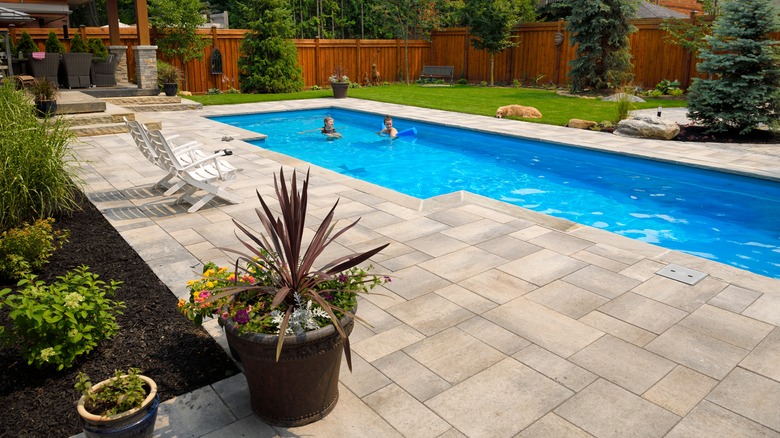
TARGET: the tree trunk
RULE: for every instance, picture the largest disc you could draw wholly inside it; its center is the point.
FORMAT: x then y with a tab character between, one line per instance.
491	69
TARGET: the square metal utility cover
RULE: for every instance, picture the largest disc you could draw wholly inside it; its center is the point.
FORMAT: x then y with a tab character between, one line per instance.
681	273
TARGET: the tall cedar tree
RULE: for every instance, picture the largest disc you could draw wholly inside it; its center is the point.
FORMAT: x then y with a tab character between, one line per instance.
269	58
178	20
491	23
743	65
600	29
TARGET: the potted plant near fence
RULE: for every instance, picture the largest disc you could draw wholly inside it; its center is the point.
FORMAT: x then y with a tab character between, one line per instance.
24	48
287	319
339	83
44	93
168	76
103	72
122	406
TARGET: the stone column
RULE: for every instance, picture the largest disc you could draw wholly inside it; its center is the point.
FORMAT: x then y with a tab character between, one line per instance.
146	67
121	65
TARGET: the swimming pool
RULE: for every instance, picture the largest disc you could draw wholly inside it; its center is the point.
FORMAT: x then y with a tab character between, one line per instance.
719	216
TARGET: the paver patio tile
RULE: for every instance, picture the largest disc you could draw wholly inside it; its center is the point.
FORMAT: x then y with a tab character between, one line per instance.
414	281
552	426
478	232
601	281
617	328
547	328
364	378
411	375
698	351
462	264
597	260
412	229
497	286
436	245
386	342
643	312
750	395
466	299
766	308
734	298
405	413
542	267
500	401
729	327
680	390
765	358
622	363
556	368
711	420
497	337
680	295
430	313
441	351
606	410
561	242
566	298
508	247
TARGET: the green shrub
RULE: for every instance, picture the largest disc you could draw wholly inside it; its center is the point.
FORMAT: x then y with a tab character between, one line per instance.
26	44
53	44
53	325
96	47
463	81
666	86
26	249
37	168
676	91
77	45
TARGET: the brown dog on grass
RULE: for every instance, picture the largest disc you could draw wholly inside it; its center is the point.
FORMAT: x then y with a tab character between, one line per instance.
527	112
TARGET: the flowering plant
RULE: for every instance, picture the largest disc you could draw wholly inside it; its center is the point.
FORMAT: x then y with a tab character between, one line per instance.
339	75
275	288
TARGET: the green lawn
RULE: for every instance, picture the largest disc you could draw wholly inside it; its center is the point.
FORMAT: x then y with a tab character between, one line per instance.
555	109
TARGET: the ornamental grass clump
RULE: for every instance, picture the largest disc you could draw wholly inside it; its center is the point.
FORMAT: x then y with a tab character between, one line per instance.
274	287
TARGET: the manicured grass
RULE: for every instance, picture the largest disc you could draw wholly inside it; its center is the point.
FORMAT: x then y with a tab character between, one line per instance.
555	109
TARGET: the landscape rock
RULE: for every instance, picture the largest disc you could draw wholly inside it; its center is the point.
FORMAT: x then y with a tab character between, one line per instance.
581	124
621	96
648	127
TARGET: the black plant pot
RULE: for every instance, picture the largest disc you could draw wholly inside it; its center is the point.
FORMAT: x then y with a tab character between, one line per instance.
339	89
46	108
171	89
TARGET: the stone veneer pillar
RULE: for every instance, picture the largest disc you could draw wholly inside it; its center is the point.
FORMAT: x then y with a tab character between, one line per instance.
146	67
121	66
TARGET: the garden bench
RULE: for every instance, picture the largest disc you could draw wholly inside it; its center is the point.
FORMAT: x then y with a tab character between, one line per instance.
437	72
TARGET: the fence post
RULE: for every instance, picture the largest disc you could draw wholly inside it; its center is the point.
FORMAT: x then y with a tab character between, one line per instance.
317	59
558	40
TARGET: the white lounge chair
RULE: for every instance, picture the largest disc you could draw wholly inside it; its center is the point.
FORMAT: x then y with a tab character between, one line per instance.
203	174
139	134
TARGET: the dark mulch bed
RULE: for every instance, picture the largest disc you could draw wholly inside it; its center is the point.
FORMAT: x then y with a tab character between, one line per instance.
153	337
697	133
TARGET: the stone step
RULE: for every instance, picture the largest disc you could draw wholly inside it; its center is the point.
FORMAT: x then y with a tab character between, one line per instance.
142	100
183	106
107	128
98	118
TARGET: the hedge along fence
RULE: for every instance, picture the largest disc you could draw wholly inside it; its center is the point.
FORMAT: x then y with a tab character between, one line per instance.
537	56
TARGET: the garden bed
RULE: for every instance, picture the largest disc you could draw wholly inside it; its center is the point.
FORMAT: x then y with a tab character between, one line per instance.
153	336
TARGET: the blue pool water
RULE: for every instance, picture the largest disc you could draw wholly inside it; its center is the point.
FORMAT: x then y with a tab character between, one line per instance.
723	217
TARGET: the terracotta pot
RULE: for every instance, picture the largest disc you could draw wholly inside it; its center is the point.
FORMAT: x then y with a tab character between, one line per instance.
135	423
302	387
339	89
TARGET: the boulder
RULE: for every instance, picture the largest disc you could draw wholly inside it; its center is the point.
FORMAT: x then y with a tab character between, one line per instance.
648	127
581	124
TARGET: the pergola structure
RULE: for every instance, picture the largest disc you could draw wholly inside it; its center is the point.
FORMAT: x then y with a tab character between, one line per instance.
145	53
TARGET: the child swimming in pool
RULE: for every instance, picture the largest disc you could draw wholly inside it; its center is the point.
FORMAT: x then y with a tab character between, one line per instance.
328	128
389	130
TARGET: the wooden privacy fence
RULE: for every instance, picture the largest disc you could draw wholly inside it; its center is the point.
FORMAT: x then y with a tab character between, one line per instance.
535	59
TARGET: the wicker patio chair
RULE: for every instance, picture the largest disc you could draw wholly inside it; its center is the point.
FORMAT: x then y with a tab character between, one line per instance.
103	72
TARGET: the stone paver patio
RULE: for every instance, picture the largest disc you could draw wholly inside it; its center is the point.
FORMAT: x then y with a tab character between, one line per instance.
499	321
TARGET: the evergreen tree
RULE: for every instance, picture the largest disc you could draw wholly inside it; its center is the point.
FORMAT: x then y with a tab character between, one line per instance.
53	44
600	29
269	58
178	21
744	69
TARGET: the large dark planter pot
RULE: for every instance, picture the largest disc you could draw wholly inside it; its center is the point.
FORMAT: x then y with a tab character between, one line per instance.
46	108
136	423
303	386
339	89
171	89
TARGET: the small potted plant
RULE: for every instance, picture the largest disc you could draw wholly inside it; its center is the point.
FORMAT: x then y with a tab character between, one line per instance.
124	405
44	93
168	76
277	307
339	83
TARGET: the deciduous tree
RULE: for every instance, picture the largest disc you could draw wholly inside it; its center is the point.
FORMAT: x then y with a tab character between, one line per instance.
178	21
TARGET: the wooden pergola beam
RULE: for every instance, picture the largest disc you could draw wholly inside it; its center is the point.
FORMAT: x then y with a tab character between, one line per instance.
142	22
